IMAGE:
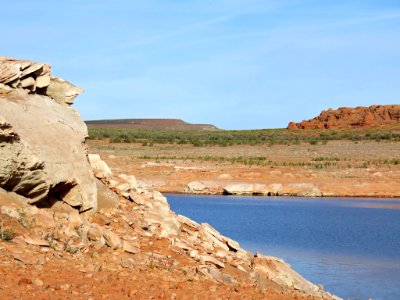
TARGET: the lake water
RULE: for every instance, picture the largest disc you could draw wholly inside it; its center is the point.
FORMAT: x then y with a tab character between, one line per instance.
350	246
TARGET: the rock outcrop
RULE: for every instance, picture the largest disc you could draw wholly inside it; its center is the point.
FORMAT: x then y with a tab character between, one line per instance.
43	156
36	78
273	189
346	118
197	187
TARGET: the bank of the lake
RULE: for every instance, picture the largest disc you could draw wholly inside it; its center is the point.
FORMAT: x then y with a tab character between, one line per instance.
348	245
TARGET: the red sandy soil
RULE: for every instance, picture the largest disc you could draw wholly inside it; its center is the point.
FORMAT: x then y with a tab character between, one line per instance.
34	272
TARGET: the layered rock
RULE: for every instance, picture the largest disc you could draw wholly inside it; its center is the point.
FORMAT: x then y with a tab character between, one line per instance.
36	78
43	156
346	118
197	187
273	189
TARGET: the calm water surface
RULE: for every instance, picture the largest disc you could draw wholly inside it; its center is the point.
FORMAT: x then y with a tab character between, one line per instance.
351	246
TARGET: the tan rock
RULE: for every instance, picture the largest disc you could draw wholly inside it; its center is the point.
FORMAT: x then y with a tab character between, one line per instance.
233	245
189	222
36	241
38	163
281	273
95	233
112	239
221	277
27	82
100	167
37	282
212	260
301	190
130	248
195	187
62	91
128	263
124	189
239	189
42	81
130	179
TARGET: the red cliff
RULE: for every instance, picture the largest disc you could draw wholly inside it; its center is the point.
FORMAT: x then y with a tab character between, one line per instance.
346	118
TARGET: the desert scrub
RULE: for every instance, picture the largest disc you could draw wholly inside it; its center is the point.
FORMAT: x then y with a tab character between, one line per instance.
226	138
6	234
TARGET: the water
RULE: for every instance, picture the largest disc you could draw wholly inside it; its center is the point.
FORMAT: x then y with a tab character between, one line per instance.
351	246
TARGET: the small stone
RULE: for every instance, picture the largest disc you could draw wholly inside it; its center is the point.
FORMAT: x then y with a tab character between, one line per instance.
210	259
9	211
233	245
128	263
36	242
95	233
65	286
37	282
112	239
130	248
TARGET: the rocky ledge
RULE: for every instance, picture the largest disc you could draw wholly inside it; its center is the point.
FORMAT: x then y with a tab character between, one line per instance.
347	118
253	189
71	228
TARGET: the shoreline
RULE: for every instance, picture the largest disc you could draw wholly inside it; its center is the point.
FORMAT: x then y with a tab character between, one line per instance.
358	171
394	197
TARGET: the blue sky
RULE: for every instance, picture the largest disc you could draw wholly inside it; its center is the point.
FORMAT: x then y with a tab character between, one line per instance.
238	64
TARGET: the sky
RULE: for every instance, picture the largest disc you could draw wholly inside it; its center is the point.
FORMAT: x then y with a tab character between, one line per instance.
237	64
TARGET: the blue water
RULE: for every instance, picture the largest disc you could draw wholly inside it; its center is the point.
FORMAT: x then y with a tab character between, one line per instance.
350	246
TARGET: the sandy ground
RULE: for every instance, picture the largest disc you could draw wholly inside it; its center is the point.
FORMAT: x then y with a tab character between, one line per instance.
337	168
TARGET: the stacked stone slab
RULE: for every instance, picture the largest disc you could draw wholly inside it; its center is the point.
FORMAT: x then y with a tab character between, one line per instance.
35	77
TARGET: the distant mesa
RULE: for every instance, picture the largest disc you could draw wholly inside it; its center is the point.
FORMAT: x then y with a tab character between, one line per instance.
153	124
348	118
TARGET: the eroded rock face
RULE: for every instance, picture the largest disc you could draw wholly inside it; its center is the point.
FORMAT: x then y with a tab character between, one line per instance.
42	151
346	118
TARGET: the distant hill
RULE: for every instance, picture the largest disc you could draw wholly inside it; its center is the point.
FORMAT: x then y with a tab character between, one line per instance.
154	124
347	118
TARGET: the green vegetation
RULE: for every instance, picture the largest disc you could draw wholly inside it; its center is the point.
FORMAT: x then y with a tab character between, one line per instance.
244	160
6	234
238	137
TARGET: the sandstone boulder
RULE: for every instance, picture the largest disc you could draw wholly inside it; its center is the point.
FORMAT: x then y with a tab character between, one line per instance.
301	190
100	168
195	187
62	91
42	152
239	189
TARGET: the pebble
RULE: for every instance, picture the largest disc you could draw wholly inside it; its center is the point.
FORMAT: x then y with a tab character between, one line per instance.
65	286
37	282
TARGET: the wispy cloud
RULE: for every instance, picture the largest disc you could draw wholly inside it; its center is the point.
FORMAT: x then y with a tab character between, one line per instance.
292	29
177	32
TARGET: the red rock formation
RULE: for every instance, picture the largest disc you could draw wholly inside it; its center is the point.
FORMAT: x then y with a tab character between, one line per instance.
346	118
